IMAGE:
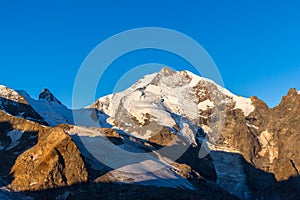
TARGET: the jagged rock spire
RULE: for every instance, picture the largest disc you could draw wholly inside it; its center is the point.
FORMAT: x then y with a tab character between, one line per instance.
47	95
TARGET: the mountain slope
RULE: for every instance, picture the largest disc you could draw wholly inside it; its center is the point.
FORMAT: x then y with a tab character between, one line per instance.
42	158
232	124
170	98
171	130
51	109
15	104
54	112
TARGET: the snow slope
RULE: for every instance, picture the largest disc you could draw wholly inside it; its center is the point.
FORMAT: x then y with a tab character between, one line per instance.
15	136
172	90
165	99
53	112
10	94
130	163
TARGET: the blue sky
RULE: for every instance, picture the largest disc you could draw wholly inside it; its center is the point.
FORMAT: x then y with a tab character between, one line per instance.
255	44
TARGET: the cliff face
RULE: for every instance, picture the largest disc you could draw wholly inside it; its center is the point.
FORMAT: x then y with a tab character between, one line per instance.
286	123
267	137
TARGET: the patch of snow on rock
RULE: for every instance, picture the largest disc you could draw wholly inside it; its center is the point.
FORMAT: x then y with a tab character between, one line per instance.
268	145
245	104
15	136
204	105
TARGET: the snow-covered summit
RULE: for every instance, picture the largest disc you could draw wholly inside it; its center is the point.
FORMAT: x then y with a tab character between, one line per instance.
170	99
10	94
181	92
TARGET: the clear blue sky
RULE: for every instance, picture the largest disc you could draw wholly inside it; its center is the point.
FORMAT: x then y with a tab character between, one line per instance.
255	44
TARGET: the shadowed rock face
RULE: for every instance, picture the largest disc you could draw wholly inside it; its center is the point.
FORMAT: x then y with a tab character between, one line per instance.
188	164
21	109
10	123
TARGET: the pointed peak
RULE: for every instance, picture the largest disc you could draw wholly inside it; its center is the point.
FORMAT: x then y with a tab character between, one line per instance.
290	98
258	102
292	92
48	96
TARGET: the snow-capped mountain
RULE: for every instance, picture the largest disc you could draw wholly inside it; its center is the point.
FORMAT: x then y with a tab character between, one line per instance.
234	147
49	107
15	104
172	99
182	92
184	103
54	112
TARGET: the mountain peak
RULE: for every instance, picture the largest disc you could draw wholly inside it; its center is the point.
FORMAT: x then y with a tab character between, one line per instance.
48	96
292	92
4	90
10	94
167	71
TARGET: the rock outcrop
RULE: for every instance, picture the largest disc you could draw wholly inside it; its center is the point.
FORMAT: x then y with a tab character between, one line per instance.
42	158
54	161
267	137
